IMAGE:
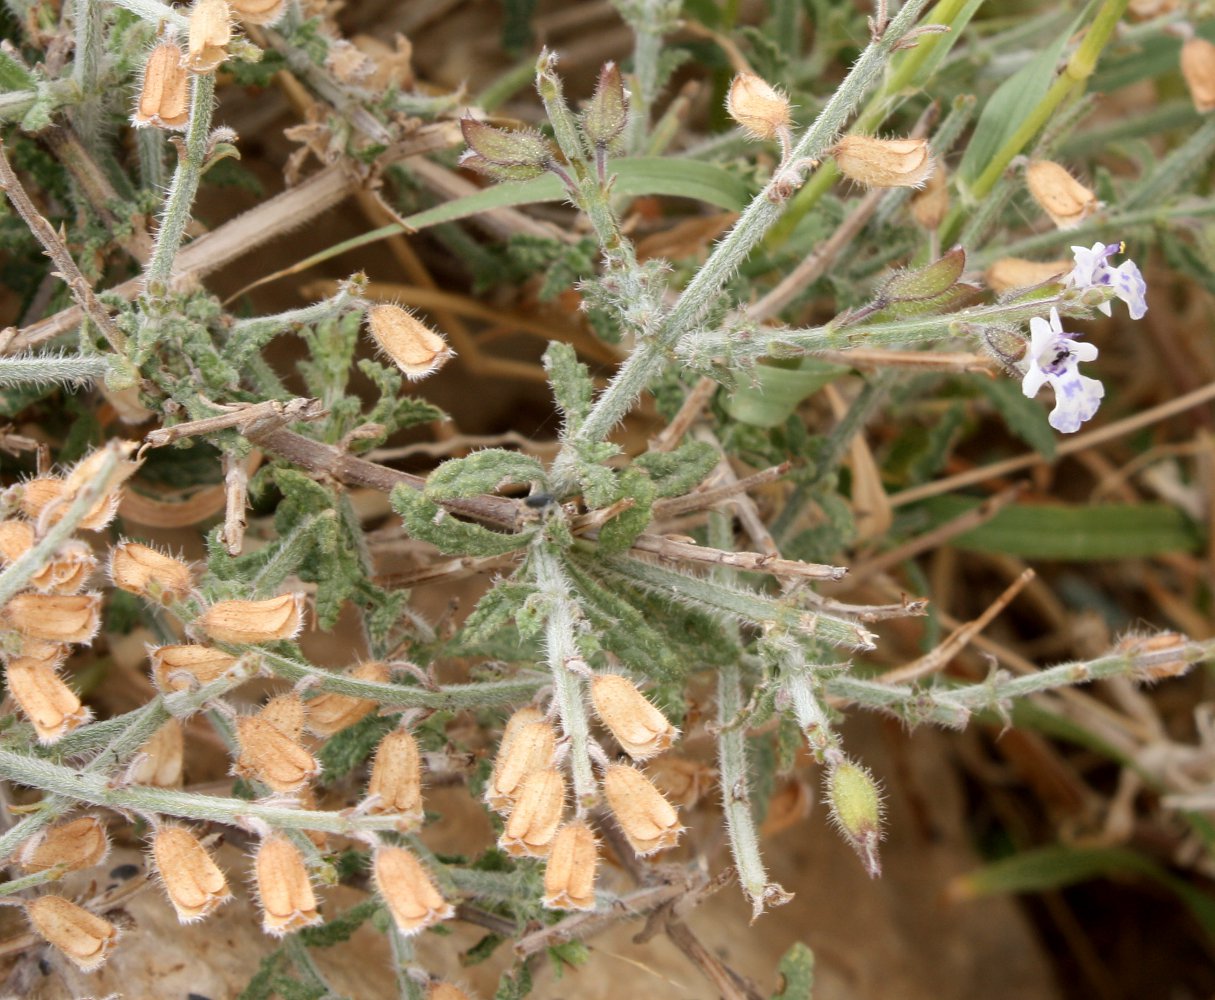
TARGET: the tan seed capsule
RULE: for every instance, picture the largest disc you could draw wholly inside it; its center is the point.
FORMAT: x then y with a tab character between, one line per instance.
52	706
140	569
210	32
569	874
258	11
84	474
526	749
248	622
650	822
269	755
83	937
74	845
159	761
884	163
1009	273
1059	194
16	538
1198	68
55	617
66	573
191	879
931	204
533	822
286	714
415	348
36	652
640	729
395	786
761	110
178	668
164	98
330	712
446	991
1155	645
283	888
408	890
683	782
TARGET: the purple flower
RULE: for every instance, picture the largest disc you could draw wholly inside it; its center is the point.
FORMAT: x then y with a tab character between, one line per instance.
1055	358
1093	270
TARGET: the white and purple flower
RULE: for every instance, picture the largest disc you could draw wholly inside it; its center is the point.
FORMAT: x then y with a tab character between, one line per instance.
1055	358
1093	270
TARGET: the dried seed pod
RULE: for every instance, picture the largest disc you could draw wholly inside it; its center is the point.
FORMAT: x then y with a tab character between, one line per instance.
141	570
1059	194
1198	68
66	573
761	110
683	782
884	163
283	888
396	780
269	755
533	822
258	11
408	890
445	991
526	747
210	32
1008	273
856	809
285	712
40	495
55	617
178	668
330	713
164	97
191	879
74	845
52	706
16	538
1147	645
83	937
569	874
159	761
640	728
84	474
249	622
650	822
36	652
930	205
413	347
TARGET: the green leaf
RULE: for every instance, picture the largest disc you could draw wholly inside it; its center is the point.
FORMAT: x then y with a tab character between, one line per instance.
619	533
796	974
571	381
1063	531
426	520
14	76
776	391
1023	416
676	472
482	472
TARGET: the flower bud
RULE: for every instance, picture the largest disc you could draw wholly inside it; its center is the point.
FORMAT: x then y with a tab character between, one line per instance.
55	617
258	11
285	712
331	712
1008	273
83	937
249	622
527	746
884	163
179	668
533	822
408	890
931	204
1059	194
74	845
396	780
504	156
1153	646
761	110
52	706
210	32
269	755
607	114
569	874
413	347
283	888
649	822
141	570
159	761
640	729
164	98
1198	68
191	879
856	809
